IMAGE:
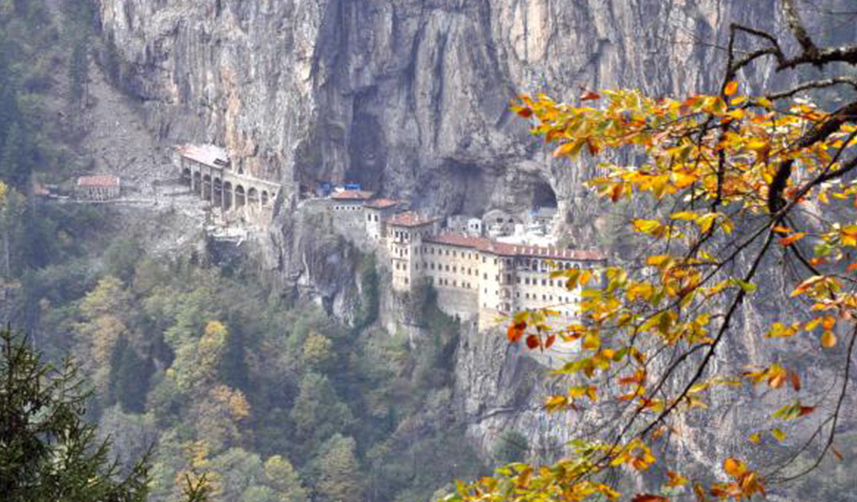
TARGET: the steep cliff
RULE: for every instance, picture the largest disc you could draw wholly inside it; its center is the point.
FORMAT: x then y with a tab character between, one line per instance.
407	96
410	98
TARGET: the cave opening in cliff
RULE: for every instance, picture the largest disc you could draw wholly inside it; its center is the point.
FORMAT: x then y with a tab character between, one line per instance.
543	196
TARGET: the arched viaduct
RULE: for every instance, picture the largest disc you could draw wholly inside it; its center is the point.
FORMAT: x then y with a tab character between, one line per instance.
210	175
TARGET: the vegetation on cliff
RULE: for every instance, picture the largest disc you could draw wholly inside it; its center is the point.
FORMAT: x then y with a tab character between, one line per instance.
740	185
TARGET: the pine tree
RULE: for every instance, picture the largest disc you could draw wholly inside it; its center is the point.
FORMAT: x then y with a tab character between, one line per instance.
14	167
47	451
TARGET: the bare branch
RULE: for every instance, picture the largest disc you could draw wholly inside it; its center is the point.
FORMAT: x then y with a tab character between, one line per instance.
798	30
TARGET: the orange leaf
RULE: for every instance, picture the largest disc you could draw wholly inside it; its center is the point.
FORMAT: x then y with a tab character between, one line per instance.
731	88
525	112
795	380
734	467
806	410
645	497
788	241
852	267
676	479
779	229
589	95
549	341
533	342
516	331
828	339
836	453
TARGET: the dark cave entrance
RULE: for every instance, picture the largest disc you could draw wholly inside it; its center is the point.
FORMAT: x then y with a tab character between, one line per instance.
543	196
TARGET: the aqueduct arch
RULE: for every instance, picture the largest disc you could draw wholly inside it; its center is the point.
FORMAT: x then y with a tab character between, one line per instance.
214	178
252	197
240	198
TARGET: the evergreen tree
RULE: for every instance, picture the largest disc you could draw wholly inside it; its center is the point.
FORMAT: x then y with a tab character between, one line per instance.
318	412
78	70
47	451
132	380
14	167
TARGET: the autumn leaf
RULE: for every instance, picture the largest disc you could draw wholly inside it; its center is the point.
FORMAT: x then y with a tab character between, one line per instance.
778	434
590	95
533	342
645	497
828	339
734	467
549	341
836	453
516	331
676	479
731	88
791	239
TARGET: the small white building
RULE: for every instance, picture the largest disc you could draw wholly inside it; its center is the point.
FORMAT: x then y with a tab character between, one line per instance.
100	187
378	211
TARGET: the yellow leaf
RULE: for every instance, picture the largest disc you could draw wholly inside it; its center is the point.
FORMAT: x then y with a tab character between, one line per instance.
657	260
765	102
778	434
705	222
591	342
685	216
755	438
731	88
646	226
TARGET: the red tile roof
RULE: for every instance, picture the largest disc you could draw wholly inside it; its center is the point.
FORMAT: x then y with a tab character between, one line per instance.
459	240
356	195
410	219
381	203
39	189
102	181
503	249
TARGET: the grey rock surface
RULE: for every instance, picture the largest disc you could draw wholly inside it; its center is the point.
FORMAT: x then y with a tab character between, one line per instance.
410	98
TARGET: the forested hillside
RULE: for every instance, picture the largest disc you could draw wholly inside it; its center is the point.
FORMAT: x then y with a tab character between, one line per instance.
207	364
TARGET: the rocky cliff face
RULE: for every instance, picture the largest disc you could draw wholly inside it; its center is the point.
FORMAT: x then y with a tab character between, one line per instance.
410	98
407	96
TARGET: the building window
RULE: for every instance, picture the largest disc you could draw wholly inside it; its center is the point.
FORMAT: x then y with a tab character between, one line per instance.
544	282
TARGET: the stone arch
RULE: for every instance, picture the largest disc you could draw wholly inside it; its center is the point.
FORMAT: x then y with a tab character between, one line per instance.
227	195
252	197
265	198
218	190
197	182
240	197
186	176
206	186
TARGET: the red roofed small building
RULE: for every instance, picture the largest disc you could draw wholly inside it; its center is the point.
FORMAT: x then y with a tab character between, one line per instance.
100	187
378	211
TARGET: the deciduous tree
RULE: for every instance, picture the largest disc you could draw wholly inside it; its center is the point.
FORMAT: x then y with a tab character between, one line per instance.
741	183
